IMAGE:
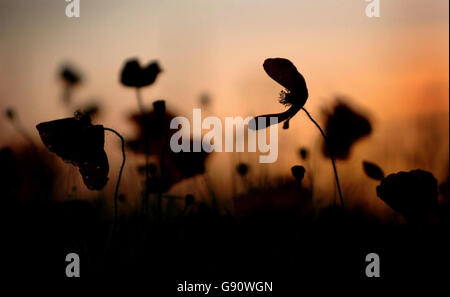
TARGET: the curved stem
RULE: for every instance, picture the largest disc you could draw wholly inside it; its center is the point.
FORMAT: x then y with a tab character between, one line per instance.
116	196
116	193
329	153
282	116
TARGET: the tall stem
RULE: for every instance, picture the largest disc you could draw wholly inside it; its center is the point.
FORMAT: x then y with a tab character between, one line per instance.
139	99
116	193
116	196
330	153
146	148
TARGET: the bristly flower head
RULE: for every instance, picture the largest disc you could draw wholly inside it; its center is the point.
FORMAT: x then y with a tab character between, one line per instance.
286	74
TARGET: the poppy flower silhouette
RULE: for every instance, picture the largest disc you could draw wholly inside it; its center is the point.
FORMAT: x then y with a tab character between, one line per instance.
303	152
286	74
173	168
80	143
343	128
134	75
294	96
412	194
153	130
183	165
70	76
298	172
242	169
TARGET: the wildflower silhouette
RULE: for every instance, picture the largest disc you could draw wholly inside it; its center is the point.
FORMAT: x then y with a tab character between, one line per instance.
303	152
344	127
242	169
412	194
77	141
298	172
134	75
71	78
154	127
183	165
373	171
286	74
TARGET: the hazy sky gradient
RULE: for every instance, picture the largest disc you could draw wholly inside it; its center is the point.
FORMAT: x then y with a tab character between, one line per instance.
393	67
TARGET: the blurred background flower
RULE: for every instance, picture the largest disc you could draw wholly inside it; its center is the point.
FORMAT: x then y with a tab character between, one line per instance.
412	194
344	127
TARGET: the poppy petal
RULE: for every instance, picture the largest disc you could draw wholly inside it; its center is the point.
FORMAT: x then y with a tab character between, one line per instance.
286	74
373	171
133	75
80	143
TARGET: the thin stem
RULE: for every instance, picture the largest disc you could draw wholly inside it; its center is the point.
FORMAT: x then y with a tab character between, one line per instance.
116	193
139	99
329	153
146	148
116	196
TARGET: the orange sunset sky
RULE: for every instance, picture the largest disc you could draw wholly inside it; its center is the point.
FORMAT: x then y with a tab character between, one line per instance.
395	68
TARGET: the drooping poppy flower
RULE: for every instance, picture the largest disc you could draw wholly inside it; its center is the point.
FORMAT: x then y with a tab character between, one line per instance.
80	143
343	128
373	171
412	194
134	75
294	96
